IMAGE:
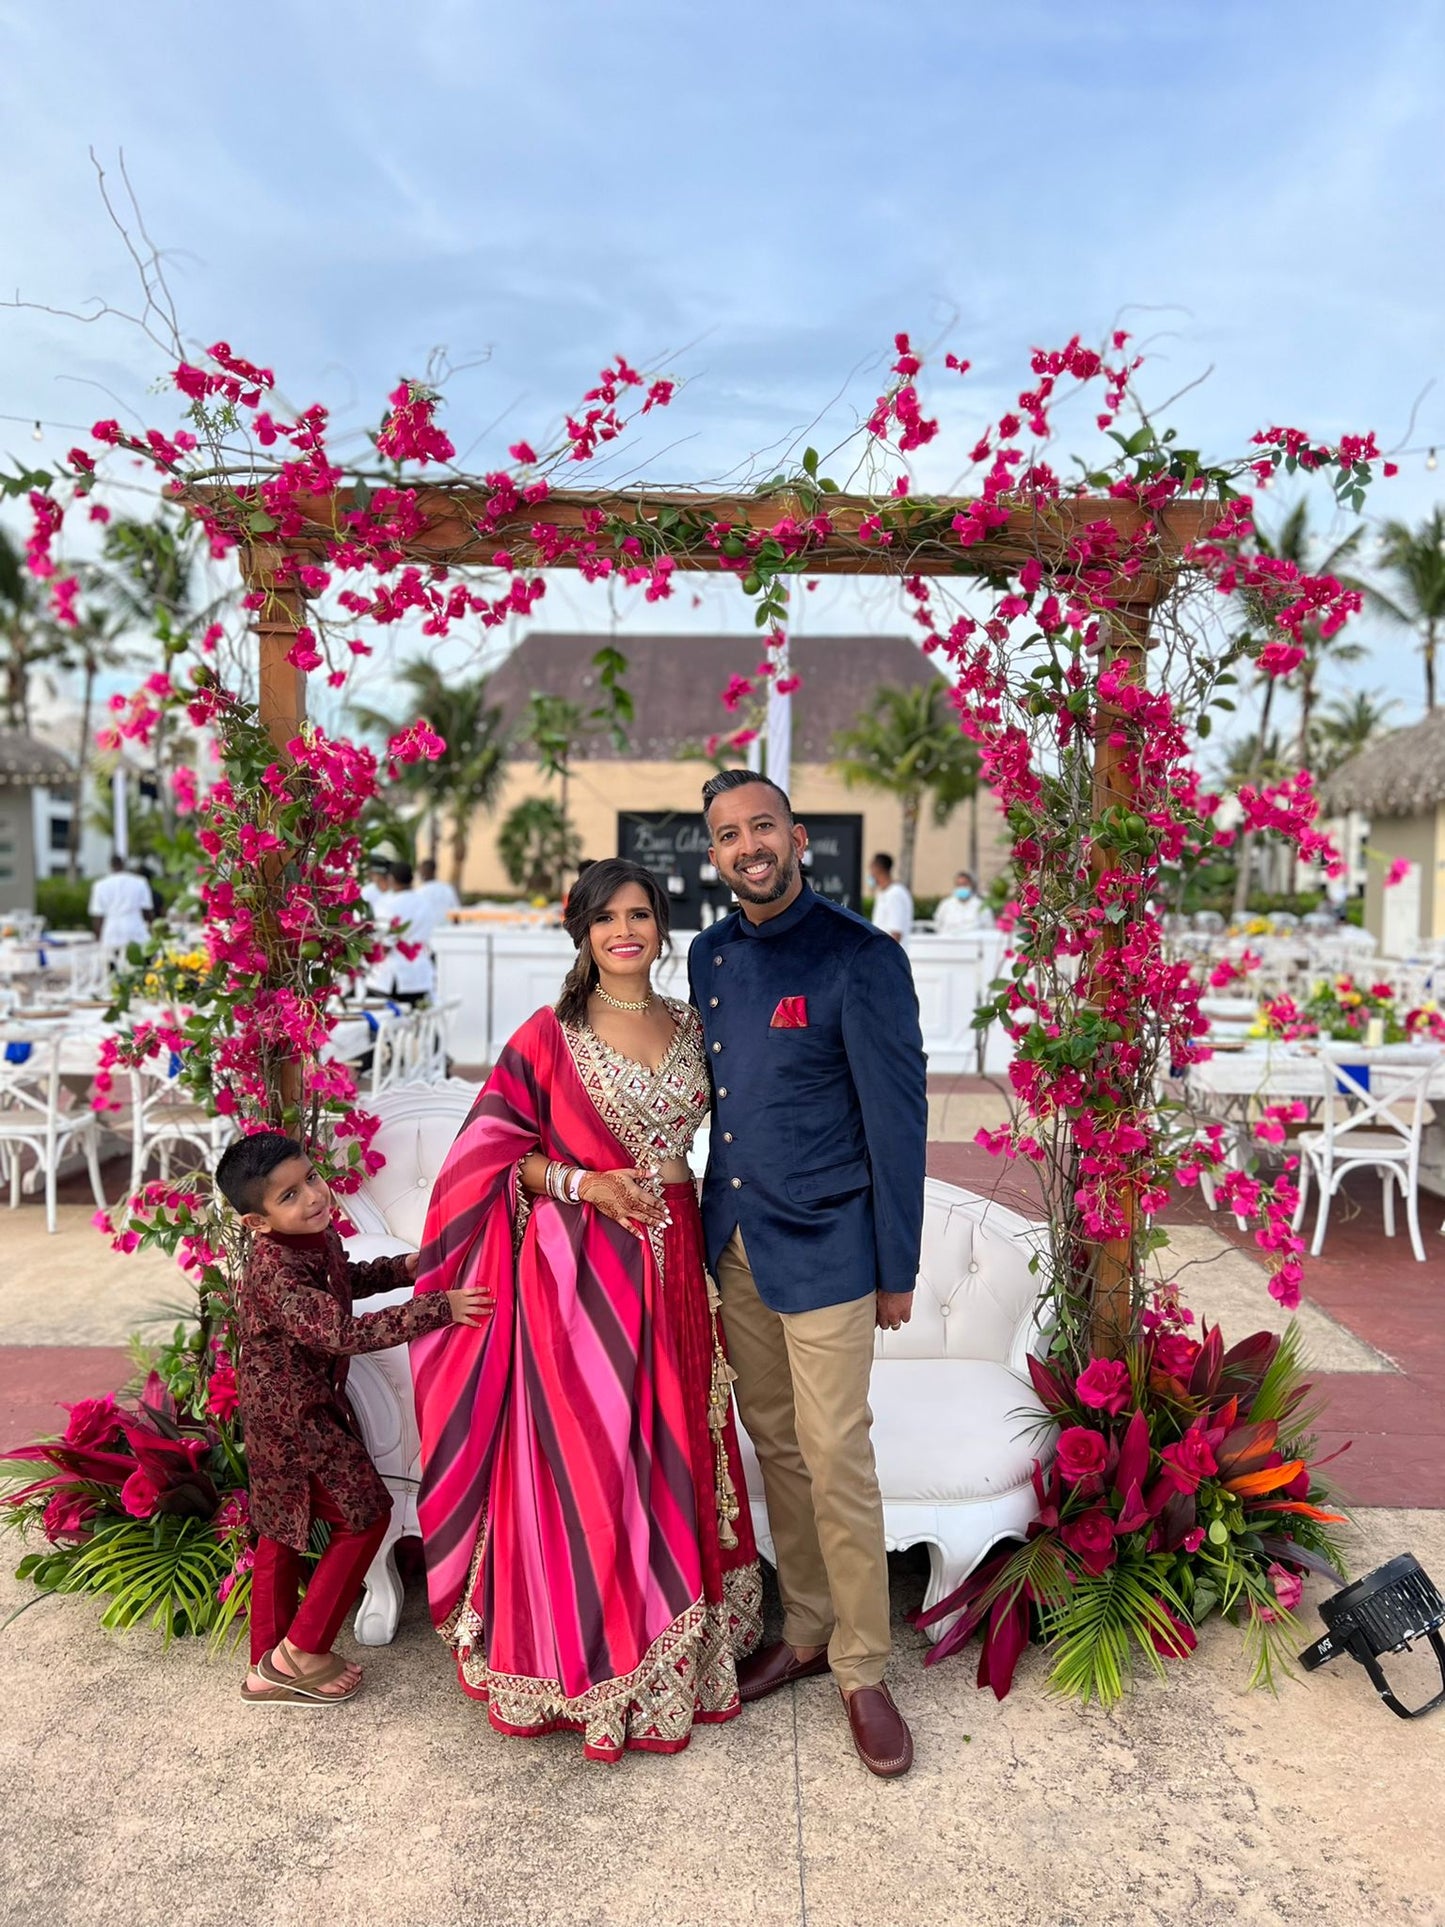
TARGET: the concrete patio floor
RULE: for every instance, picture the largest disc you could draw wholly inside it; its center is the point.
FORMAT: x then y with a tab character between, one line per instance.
137	1785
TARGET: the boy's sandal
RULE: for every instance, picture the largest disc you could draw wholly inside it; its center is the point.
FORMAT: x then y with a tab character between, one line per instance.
307	1688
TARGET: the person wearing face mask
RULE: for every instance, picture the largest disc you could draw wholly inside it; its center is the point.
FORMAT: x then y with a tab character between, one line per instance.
964	913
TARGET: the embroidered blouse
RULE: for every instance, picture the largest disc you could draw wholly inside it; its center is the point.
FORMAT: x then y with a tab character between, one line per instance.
654	1114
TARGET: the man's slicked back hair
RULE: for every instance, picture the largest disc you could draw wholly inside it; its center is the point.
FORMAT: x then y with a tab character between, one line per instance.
736	779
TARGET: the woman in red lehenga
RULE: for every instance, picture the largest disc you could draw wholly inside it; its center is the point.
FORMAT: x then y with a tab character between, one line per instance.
588	1558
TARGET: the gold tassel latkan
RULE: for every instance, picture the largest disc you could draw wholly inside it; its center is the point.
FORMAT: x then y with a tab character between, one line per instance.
718	1405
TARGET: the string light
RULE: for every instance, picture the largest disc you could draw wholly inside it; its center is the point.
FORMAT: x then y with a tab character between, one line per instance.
1432	461
39	434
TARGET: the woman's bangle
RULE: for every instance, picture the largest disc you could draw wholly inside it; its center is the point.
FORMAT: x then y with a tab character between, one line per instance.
574	1186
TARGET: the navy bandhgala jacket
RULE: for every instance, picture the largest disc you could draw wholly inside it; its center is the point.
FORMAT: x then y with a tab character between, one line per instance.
820	1107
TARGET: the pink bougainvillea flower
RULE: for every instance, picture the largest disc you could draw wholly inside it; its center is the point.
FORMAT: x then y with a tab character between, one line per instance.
1397	872
1104	1385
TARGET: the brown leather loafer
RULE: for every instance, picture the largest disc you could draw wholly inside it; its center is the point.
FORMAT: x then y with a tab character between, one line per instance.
764	1671
880	1732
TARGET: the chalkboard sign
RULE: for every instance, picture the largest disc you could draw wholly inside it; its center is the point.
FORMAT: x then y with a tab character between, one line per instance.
673	845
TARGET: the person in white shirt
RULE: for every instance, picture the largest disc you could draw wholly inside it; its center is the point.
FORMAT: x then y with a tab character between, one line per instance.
964	913
441	893
407	979
375	886
892	904
119	906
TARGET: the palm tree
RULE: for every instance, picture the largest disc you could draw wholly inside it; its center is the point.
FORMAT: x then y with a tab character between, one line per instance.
1415	559
467	777
538	846
150	584
93	646
909	745
1349	725
26	635
1294	541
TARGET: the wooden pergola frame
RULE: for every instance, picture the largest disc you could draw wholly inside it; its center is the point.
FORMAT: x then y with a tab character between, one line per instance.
449	536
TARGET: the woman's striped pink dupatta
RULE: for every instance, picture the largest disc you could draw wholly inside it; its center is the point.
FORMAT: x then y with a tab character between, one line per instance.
558	1431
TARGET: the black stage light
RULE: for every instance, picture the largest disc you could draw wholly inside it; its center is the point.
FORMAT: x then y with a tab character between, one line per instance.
1385	1612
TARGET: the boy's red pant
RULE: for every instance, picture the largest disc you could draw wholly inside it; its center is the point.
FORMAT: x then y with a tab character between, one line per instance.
335	1584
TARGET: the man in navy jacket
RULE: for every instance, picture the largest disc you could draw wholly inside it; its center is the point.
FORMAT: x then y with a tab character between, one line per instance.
813	1215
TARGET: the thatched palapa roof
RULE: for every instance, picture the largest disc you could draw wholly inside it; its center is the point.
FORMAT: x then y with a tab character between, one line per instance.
1402	775
27	763
675	683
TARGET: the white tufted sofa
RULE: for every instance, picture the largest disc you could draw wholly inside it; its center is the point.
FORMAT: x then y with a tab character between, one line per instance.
956	1421
419	1122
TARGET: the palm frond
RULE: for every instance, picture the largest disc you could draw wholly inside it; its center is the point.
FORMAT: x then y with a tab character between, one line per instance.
1107	1620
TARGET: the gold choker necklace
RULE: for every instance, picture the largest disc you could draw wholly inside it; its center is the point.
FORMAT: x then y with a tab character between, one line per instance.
621	1003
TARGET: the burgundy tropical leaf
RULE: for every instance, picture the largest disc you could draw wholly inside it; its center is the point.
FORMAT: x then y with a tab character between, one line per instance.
1177	1519
1052	1395
1306	1558
1133	1455
1179	1642
1244	1365
1247	1447
1003	1643
1134	1515
1204	1379
972	1588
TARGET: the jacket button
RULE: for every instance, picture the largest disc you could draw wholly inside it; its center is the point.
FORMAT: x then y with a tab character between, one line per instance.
727	1137
737	1184
716	1048
717	963
712	1003
722	1090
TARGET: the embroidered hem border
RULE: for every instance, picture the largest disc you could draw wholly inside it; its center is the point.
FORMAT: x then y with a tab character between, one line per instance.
688	1673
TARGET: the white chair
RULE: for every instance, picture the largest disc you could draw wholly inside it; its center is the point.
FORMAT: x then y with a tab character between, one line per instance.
92	969
957	1424
34	1118
433	1034
1373	1117
163	1117
418	1126
394	1051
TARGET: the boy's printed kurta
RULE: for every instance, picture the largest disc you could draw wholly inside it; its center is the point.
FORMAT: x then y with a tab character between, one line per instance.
297	1329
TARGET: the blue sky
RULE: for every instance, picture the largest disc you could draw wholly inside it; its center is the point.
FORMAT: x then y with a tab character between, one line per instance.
758	195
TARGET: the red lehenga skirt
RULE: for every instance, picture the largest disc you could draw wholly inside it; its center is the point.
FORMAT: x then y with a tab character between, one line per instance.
590	1554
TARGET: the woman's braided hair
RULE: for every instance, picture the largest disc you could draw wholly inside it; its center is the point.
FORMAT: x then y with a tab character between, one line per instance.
594	889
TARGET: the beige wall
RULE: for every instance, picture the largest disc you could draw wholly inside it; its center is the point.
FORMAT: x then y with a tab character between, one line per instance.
1420	839
599	790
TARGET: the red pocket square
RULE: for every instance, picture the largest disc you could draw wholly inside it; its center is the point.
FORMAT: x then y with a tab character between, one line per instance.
791	1014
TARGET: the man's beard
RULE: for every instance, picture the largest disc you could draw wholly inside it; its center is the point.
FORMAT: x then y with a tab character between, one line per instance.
782	882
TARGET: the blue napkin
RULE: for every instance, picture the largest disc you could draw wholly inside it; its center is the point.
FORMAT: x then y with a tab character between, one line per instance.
18	1053
1361	1075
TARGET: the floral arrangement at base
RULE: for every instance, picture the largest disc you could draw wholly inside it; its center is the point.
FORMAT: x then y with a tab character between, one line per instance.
1181	1484
144	1505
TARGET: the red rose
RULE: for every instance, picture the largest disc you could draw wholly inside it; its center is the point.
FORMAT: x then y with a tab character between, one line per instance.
67	1516
1191	1460
93	1421
1081	1452
1175	1354
1091	1536
1104	1385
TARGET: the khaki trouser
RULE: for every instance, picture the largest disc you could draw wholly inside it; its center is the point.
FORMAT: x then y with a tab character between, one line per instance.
802	1389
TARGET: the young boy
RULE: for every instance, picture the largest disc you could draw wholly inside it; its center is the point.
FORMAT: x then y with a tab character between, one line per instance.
296	1328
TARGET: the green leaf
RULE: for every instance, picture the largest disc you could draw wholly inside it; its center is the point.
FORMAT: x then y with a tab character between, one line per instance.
810	461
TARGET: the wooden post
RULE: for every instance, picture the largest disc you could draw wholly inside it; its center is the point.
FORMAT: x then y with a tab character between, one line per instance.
1114	1262
281	703
282	687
